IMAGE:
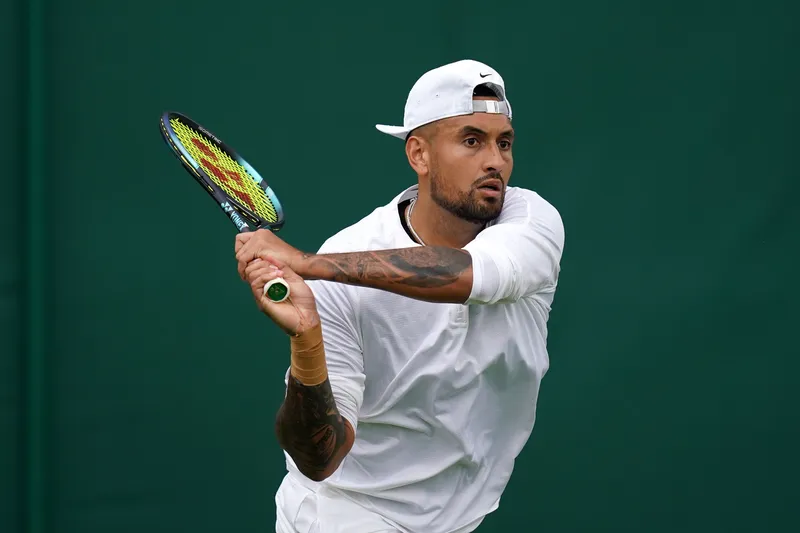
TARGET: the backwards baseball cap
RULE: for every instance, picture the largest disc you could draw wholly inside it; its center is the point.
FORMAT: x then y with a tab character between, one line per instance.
447	91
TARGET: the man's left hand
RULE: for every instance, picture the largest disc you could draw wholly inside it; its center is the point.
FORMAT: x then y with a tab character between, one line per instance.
260	244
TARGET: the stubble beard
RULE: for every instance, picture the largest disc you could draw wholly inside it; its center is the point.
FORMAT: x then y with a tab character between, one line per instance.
466	205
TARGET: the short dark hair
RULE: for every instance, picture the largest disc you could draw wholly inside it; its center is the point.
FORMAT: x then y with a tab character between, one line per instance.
485	90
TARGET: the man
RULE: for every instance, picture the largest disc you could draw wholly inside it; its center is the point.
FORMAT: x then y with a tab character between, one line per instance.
418	337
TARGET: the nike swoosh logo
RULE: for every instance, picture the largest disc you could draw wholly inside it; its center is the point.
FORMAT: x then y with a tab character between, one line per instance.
485	75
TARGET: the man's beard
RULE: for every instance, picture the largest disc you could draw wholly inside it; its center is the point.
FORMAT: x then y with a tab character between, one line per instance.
467	205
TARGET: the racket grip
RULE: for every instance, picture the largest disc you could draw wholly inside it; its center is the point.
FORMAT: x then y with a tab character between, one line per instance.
277	290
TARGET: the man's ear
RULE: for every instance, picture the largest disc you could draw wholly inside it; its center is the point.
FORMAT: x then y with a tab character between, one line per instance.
417	152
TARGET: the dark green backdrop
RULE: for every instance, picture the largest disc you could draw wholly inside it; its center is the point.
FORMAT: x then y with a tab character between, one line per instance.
665	132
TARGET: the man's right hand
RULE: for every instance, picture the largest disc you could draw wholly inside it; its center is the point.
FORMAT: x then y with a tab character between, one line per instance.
296	314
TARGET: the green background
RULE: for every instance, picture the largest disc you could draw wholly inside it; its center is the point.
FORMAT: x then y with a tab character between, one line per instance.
666	133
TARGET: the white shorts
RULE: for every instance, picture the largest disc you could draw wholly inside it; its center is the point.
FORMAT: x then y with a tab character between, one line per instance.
301	509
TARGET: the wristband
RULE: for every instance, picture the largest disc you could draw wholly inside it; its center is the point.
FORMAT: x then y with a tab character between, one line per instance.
308	357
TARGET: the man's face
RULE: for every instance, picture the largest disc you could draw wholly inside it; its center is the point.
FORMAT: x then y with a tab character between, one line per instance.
470	164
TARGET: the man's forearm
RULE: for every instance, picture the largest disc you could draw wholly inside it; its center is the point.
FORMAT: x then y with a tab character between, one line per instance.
431	273
311	429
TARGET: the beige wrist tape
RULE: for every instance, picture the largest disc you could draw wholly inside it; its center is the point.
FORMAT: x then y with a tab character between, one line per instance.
308	357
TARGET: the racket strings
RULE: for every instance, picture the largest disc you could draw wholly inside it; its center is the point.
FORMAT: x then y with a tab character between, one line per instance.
226	172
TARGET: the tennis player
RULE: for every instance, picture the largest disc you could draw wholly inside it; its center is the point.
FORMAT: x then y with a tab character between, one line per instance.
418	334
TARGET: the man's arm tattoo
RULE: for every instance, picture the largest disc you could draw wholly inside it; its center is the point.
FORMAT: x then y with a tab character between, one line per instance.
430	272
311	429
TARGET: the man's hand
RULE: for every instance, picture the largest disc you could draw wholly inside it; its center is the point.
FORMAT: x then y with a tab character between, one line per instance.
296	315
251	245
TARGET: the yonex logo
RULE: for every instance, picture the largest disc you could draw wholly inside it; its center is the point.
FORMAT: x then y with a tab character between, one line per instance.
228	208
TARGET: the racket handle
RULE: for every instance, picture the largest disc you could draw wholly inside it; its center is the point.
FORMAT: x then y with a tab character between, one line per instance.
277	290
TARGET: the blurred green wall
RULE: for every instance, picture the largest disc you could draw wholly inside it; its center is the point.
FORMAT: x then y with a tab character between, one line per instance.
11	266
665	133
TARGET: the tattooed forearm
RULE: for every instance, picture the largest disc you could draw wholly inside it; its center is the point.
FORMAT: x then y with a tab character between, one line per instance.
311	430
435	273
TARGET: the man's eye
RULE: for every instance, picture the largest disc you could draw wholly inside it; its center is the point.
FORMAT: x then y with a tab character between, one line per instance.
505	145
472	141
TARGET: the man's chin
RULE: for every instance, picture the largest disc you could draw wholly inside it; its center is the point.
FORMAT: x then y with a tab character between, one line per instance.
486	214
491	208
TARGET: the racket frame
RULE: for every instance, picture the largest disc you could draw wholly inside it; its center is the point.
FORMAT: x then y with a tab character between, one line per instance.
241	216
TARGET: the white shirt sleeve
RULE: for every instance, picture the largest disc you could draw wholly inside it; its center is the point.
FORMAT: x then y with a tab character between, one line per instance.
343	354
520	254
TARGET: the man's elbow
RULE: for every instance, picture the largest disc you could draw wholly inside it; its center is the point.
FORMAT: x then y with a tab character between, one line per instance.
319	472
316	467
317	464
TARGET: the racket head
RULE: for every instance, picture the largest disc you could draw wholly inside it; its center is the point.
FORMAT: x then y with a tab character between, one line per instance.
236	186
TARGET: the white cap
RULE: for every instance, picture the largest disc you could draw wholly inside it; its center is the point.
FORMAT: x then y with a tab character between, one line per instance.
446	92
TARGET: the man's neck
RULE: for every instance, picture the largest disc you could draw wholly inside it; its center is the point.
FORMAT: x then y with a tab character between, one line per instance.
438	227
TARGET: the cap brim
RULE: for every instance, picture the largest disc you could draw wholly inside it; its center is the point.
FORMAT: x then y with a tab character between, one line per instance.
395	131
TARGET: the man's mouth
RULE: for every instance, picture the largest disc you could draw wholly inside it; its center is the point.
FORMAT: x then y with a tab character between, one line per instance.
492	184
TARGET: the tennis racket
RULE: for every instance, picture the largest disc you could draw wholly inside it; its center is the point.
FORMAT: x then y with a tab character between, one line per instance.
236	186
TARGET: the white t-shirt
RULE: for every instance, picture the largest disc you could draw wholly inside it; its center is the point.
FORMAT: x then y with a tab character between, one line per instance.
442	397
